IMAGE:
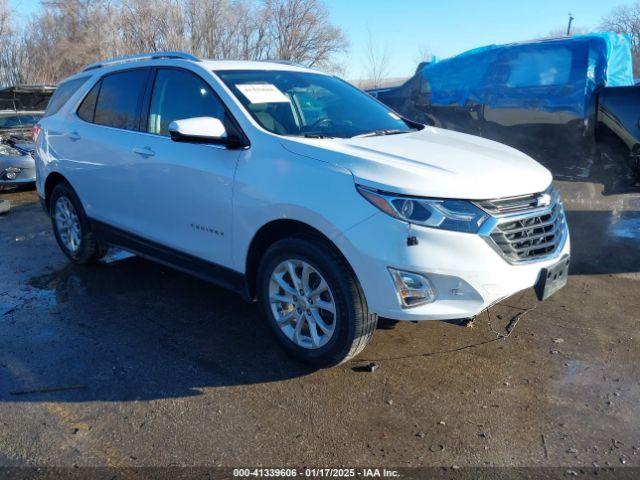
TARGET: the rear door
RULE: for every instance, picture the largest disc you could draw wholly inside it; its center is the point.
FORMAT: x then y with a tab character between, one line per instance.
103	138
619	111
183	190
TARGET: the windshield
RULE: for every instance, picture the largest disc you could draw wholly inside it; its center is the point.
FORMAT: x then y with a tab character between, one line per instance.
310	104
19	121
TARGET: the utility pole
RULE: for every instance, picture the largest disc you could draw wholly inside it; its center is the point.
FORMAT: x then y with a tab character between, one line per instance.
569	25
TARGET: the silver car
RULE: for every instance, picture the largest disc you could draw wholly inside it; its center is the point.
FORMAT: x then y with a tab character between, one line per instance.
21	107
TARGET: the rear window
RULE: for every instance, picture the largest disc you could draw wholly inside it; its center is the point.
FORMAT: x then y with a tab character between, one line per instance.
119	99
18	121
63	93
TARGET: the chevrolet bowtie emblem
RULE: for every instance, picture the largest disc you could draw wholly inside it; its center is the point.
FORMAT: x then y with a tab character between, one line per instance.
543	200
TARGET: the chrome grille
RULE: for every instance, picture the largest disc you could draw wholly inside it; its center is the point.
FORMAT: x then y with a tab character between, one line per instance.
526	228
503	206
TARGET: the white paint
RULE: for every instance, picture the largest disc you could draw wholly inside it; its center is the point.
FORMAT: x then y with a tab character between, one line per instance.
199	127
209	201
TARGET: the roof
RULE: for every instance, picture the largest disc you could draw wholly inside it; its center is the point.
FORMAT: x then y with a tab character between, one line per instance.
498	75
282	65
256	65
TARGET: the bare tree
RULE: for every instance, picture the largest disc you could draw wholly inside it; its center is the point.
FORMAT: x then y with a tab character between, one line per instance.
626	19
65	35
562	31
149	26
226	29
10	51
423	54
301	31
376	62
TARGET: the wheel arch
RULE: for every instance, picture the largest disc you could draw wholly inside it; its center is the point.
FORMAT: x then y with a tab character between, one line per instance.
52	180
277	230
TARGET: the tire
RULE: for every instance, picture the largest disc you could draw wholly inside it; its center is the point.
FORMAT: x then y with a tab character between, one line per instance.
87	249
351	324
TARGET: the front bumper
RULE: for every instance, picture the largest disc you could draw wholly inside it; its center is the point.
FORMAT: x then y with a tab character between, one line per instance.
27	167
467	273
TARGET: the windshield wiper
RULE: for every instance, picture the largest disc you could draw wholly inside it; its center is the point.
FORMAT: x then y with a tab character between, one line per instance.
381	132
312	135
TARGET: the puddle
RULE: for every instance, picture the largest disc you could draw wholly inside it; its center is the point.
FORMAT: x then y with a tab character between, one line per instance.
578	172
626	225
59	285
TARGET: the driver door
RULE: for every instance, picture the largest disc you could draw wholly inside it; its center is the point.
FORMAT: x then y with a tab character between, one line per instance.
185	193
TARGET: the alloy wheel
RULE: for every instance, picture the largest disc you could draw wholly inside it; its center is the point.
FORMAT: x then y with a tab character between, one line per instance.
302	303
68	224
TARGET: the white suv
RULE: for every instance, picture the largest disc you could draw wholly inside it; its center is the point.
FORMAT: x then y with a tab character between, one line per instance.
295	189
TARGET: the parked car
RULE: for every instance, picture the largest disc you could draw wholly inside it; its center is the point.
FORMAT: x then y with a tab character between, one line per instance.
295	189
21	107
550	98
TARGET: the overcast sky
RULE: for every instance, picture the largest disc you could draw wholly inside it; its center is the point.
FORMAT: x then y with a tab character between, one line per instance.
445	27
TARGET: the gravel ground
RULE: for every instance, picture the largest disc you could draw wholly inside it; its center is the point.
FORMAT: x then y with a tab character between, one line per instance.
163	369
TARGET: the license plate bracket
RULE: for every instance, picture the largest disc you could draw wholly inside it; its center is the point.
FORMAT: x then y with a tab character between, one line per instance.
552	279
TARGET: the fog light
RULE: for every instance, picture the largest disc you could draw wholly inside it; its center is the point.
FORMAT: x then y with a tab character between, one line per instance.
12	173
413	289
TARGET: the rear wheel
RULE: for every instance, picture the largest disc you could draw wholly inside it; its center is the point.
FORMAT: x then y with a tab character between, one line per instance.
71	226
313	302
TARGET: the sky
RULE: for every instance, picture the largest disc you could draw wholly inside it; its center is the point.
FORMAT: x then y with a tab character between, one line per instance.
444	27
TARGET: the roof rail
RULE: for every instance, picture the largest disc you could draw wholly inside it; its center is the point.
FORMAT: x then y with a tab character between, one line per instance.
141	56
285	62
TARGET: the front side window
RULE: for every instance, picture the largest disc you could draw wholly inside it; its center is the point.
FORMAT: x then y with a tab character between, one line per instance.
119	99
310	104
178	95
537	68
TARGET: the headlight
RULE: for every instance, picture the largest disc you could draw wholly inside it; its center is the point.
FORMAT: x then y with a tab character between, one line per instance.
9	151
456	215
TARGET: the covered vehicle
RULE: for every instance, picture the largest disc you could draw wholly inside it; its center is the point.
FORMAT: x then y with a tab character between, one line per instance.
21	107
536	96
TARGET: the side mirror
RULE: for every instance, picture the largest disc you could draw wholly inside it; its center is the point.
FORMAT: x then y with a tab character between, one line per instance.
201	130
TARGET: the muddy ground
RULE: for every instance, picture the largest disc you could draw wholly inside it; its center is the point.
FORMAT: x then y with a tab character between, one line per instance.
164	369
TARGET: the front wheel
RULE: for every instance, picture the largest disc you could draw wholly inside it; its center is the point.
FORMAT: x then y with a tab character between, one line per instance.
313	302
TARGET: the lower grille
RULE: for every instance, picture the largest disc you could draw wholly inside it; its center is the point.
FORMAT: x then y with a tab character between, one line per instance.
531	234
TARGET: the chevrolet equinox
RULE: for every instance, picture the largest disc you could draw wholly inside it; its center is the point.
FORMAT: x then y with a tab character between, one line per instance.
297	190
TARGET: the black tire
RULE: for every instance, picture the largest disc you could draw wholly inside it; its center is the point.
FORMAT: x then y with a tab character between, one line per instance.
89	250
354	325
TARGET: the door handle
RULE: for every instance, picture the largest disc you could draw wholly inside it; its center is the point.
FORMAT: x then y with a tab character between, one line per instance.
145	152
74	136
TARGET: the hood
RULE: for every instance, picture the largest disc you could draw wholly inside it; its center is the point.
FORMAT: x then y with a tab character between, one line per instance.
431	163
31	98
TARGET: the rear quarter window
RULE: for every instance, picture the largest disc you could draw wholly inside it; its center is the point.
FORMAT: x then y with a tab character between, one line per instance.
63	93
87	108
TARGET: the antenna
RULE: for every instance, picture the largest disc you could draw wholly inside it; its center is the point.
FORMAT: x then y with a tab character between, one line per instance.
569	25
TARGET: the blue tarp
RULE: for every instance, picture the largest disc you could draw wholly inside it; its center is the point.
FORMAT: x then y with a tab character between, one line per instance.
551	75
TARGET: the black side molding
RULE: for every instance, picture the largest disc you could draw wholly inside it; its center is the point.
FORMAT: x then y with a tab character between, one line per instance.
208	271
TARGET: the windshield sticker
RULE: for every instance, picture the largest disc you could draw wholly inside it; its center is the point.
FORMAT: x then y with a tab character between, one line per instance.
262	93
